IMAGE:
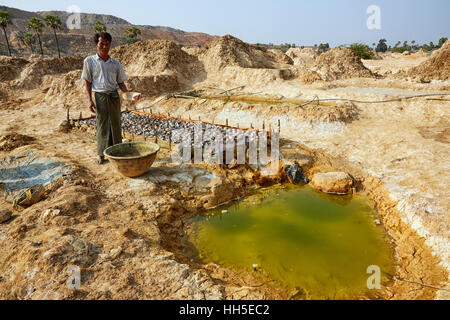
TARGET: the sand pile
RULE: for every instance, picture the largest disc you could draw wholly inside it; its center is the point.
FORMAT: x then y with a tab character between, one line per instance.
377	55
156	57
305	56
421	53
341	63
306	74
229	62
280	57
66	88
195	51
10	67
437	67
229	51
32	75
158	66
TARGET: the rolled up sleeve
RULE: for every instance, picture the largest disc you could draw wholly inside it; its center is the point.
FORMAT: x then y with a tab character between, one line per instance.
121	76
86	74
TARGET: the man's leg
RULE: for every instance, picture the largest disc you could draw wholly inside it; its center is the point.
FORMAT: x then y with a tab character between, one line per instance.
103	123
116	123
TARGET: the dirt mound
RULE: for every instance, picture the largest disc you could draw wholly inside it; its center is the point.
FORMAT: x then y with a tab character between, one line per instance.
32	75
377	56
280	57
14	140
156	57
437	67
421	53
194	51
11	67
229	51
66	88
306	74
341	63
305	56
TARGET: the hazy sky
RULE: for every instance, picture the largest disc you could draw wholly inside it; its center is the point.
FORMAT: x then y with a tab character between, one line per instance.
304	22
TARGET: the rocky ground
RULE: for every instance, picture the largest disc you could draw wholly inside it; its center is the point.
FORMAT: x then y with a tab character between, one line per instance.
126	235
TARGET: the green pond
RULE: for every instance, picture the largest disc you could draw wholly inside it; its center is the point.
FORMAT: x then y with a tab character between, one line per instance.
316	244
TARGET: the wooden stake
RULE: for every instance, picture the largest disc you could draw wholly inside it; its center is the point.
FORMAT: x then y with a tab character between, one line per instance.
79	121
264	126
279	125
68	115
170	142
226	122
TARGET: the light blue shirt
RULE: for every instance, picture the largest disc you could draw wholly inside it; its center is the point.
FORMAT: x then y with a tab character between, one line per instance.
105	76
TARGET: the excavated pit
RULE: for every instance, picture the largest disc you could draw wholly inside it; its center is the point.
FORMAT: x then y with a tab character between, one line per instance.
175	236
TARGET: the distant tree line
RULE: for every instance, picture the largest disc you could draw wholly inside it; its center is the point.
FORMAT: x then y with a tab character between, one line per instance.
36	26
405	46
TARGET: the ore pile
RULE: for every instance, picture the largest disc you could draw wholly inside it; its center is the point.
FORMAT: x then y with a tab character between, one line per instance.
149	127
89	122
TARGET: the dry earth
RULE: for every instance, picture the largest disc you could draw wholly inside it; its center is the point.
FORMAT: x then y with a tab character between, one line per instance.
126	235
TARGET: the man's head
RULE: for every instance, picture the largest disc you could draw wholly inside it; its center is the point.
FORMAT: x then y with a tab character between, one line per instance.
102	41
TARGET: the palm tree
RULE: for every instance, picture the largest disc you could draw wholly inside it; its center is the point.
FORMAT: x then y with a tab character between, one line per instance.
5	20
36	25
131	34
55	23
99	27
29	40
442	41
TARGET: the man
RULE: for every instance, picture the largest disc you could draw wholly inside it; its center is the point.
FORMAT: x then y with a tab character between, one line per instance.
104	75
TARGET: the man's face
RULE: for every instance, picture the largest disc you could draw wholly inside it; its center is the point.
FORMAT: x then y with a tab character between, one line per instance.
103	46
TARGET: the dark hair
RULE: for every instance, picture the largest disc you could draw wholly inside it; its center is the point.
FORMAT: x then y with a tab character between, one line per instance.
104	35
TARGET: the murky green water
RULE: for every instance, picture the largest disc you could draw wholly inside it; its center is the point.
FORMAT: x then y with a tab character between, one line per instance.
318	244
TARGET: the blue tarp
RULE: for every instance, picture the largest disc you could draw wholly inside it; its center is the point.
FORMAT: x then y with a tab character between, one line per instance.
23	171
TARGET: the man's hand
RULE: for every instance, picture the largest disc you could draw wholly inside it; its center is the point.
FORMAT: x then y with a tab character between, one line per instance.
92	107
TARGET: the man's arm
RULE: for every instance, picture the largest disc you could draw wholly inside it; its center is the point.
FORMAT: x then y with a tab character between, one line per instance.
121	78
86	75
88	86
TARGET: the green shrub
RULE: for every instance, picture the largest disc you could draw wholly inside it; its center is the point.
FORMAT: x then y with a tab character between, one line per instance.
361	50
